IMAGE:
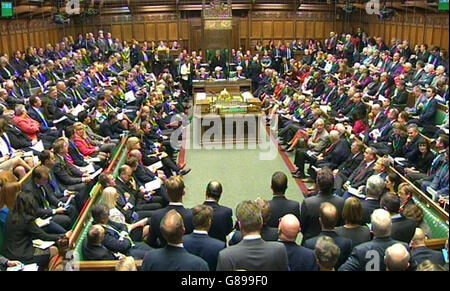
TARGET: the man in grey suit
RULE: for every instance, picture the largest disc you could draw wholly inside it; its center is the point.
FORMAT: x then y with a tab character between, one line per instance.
252	253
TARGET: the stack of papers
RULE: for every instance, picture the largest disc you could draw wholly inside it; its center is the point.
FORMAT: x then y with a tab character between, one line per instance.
30	267
154	167
77	110
129	96
42	222
39	147
153	185
89	169
37	243
355	192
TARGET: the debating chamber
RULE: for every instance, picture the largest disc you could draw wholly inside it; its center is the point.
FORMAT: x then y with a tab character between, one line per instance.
224	135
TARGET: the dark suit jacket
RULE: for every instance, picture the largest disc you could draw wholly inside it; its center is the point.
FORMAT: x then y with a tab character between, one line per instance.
361	174
39	206
337	155
155	238
96	253
344	244
18	243
369	205
403	229
300	258
65	173
359	260
222	223
204	246
411	150
171	258
280	206
113	241
254	255
17	138
309	213
123	188
350	164
420	254
427	115
267	234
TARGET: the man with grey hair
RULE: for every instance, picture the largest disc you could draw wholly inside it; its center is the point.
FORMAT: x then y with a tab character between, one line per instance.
397	258
252	253
369	256
375	187
327	253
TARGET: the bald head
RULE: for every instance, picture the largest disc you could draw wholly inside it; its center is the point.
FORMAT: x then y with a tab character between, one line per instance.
96	235
214	190
328	216
172	227
135	153
289	227
418	239
397	258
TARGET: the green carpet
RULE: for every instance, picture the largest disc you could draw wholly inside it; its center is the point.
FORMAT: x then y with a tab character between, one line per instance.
242	174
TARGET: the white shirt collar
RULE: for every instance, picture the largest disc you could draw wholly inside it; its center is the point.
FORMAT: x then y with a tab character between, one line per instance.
176	203
252	237
210	200
200	231
180	245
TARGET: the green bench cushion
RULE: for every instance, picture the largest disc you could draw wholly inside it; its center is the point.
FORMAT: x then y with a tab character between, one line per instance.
438	227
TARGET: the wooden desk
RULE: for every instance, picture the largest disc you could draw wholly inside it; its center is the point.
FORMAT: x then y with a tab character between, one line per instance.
214	87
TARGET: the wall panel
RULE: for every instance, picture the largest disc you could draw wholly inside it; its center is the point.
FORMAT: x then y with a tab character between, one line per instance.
116	31
150	32
256	29
267	28
301	30
278	29
161	30
127	32
173	31
138	32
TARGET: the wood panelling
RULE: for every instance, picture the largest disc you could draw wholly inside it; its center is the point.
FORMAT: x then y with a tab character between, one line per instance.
127	32
267	29
243	28
301	31
289	29
184	29
309	32
173	31
161	29
256	29
278	29
138	32
150	31
116	31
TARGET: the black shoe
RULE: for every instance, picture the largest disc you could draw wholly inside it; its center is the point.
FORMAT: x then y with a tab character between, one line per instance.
298	175
294	171
185	171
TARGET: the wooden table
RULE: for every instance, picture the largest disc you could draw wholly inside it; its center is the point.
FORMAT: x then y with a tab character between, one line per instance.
214	87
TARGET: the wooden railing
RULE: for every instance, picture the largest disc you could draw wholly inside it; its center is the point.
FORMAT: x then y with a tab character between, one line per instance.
102	265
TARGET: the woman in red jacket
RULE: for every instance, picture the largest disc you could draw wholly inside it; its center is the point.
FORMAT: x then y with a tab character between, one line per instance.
84	144
27	124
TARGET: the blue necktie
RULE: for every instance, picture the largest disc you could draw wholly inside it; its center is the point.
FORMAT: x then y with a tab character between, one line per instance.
10	149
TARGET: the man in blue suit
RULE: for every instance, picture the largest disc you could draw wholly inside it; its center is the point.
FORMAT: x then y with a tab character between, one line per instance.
173	257
199	243
299	258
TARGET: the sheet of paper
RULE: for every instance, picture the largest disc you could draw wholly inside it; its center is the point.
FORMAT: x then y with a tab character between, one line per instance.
89	169
39	146
69	200
155	166
201	96
78	109
59	120
355	192
37	243
94	160
129	96
324	108
31	268
28	154
153	185
42	222
96	173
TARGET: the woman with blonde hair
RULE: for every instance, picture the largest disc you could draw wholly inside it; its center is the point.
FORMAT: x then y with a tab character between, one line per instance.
85	145
138	230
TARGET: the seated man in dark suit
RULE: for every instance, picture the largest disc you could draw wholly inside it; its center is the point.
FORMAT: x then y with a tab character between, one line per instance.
359	177
173	257
328	219
327	253
92	247
375	187
403	228
46	204
267	233
309	213
280	205
117	238
299	257
345	169
381	228
175	191
199	243
421	253
222	222
68	175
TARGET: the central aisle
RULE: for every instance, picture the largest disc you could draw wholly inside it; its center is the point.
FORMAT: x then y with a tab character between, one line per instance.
242	174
